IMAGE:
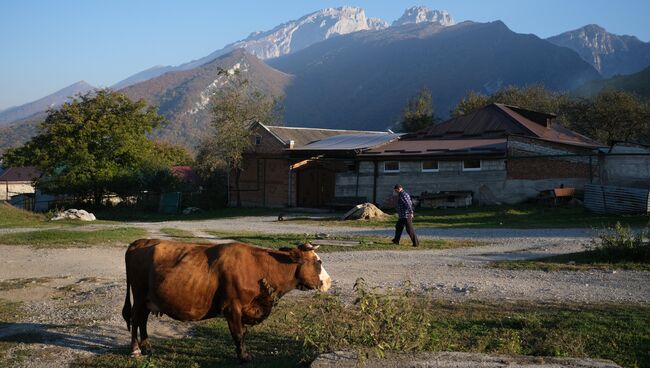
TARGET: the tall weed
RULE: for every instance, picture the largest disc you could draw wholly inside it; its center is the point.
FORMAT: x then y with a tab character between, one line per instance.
621	243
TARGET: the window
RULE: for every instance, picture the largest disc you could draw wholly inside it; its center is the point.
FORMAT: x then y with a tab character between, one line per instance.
430	166
257	140
391	166
472	165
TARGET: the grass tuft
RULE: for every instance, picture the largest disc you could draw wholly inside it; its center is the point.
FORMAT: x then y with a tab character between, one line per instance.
365	242
177	233
71	239
521	216
619	248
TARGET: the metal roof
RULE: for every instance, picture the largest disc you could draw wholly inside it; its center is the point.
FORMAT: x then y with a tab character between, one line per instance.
350	142
20	173
499	120
439	147
303	136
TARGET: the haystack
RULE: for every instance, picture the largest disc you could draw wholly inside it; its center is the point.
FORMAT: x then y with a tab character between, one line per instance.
363	211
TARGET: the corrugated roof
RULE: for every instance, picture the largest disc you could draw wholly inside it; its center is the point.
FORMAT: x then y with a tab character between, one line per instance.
303	136
348	142
20	173
440	147
499	121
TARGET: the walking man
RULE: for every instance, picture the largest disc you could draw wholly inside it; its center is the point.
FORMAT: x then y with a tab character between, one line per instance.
405	212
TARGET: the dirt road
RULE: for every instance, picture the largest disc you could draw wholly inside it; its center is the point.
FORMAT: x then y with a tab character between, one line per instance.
71	298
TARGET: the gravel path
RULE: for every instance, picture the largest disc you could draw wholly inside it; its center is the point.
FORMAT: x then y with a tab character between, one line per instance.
75	308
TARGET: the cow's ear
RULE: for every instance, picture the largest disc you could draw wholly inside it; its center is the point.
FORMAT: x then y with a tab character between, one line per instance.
296	256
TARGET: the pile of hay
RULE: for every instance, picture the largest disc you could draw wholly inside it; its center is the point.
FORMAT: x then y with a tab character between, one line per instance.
363	211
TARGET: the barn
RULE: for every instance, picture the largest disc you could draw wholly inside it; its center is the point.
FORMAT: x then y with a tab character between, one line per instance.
499	154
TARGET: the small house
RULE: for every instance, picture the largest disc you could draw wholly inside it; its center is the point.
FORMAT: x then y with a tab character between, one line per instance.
17	180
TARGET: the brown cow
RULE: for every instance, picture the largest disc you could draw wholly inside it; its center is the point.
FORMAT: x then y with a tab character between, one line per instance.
191	282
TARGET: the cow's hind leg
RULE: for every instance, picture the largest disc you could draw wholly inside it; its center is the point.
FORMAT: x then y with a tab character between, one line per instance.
145	345
136	318
238	331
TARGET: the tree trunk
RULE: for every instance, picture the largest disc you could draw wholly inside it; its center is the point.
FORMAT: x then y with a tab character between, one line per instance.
97	197
237	176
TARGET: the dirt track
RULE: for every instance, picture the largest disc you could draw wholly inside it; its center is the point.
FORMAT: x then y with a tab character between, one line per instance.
85	287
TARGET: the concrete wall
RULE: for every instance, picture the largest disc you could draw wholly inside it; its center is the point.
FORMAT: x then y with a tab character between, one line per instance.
9	189
450	177
626	166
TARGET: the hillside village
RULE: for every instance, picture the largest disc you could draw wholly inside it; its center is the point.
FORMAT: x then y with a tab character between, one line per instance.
492	139
518	165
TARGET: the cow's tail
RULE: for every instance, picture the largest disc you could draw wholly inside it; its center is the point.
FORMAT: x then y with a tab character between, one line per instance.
126	310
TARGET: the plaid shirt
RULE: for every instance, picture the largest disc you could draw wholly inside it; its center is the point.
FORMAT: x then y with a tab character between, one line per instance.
404	204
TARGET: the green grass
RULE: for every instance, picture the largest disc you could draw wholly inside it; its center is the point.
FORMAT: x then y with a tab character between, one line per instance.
129	214
9	312
299	329
69	238
524	216
580	261
10	284
11	216
366	242
177	233
619	248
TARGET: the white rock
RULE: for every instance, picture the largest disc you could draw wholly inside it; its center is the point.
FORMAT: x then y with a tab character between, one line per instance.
74	214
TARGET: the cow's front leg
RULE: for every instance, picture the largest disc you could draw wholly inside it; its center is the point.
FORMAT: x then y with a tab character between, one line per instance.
238	331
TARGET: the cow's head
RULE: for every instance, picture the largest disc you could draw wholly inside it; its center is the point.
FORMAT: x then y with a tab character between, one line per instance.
310	273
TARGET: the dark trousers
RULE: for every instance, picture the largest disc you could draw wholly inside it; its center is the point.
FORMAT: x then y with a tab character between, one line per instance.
399	226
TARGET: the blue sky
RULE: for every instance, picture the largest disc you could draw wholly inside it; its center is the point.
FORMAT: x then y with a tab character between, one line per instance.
49	44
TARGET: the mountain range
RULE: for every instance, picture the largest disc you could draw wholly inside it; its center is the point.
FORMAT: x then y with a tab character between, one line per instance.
284	39
183	96
638	83
364	79
338	68
610	54
57	98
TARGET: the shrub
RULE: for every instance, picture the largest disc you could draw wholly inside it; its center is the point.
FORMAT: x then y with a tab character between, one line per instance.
621	243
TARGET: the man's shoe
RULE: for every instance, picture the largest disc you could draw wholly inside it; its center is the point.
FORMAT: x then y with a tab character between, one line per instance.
394	241
416	245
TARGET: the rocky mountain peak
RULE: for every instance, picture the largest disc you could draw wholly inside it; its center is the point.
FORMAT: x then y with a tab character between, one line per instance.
422	14
605	51
315	27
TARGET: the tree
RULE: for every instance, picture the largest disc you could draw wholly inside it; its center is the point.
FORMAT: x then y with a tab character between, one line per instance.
472	102
234	109
611	116
173	154
534	97
87	145
418	112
